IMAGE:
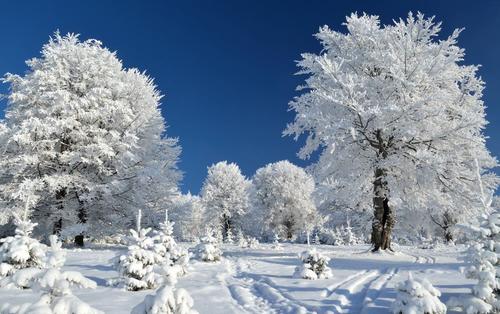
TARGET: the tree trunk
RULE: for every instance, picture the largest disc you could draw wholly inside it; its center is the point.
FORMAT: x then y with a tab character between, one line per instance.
226	226
59	199
82	218
383	220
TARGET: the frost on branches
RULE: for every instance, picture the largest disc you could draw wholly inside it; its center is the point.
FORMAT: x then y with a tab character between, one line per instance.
283	200
54	286
314	266
167	300
225	196
20	251
417	296
208	249
397	117
164	244
188	213
83	130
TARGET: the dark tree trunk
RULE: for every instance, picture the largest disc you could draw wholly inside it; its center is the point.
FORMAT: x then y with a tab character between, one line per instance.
288	228
226	226
60	195
57	226
383	220
82	218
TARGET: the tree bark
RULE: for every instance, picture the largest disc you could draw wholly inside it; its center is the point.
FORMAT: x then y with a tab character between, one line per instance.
383	220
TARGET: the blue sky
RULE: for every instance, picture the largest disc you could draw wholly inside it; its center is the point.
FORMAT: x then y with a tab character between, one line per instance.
226	67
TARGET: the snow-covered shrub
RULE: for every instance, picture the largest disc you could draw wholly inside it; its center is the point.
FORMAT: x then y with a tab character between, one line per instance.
316	239
167	300
166	246
21	251
54	285
276	242
314	266
417	296
139	267
208	249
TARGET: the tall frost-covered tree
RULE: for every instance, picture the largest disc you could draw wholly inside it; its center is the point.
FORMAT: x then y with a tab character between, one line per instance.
283	199
398	119
225	195
88	138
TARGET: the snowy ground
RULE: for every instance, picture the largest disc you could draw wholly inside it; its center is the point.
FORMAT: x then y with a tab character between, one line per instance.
260	280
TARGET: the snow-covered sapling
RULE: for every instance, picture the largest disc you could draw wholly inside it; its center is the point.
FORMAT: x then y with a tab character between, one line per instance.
167	300
55	286
138	268
314	266
165	245
208	249
21	251
229	236
417	296
240	239
483	255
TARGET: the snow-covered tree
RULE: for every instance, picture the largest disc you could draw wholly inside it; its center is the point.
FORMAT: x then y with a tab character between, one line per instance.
483	256
88	135
20	251
225	196
208	249
188	214
417	296
282	199
140	267
314	266
164	244
167	300
397	117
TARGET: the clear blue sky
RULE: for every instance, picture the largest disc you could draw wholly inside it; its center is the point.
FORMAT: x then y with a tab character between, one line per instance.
226	67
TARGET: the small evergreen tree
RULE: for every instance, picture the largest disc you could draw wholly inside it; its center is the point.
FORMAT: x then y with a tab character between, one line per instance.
208	249
417	297
138	268
314	266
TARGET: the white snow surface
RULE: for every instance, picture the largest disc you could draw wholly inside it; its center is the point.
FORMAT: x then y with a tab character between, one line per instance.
260	280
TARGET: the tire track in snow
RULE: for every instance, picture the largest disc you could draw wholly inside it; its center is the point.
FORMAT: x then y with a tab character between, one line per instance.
376	287
352	292
331	289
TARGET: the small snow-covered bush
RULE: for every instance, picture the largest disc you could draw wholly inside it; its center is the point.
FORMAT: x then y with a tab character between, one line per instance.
54	285
314	266
208	249
276	243
167	300
21	251
417	296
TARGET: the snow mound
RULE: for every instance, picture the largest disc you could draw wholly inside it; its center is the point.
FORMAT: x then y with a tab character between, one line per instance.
167	300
